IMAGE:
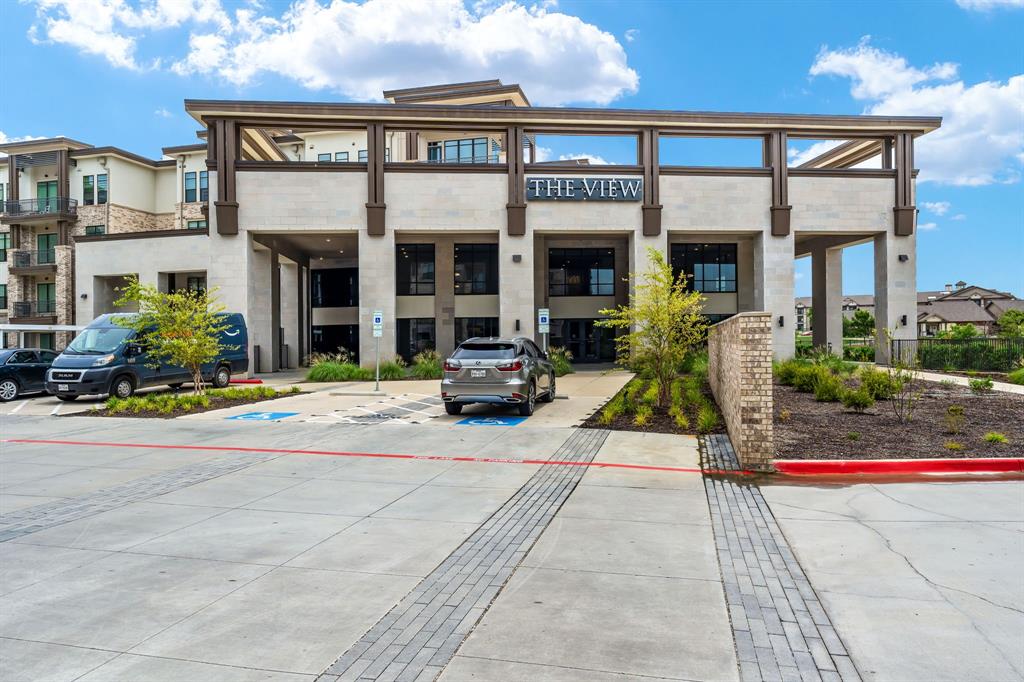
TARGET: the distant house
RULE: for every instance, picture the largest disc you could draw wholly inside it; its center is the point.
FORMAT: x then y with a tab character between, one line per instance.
937	311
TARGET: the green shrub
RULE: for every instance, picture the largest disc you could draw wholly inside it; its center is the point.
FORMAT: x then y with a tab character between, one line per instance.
427	365
859	353
787	371
980	385
857	400
699	366
828	388
651	393
953	445
1016	377
853	435
561	360
631	395
824	358
643	415
612	409
707	418
879	384
954	419
390	370
995	437
807	377
338	371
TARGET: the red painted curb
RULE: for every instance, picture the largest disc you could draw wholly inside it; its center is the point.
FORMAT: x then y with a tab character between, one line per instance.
826	467
247	381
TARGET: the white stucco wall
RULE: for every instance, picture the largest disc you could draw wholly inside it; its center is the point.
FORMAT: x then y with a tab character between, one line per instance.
131	184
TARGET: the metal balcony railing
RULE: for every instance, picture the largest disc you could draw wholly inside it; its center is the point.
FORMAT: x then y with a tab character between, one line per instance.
26	259
28	208
34	308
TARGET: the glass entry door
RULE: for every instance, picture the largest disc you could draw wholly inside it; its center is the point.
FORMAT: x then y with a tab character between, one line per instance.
45	244
586	341
46	193
46	298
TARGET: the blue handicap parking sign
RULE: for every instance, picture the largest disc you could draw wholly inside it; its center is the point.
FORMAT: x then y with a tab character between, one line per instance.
490	421
262	416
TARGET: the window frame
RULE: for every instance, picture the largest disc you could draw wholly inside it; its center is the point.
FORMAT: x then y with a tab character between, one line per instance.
3	296
195	225
340	157
685	257
323	158
193	192
486	265
463	324
88	190
563	286
204	185
363	155
5	245
93	230
415	285
102	189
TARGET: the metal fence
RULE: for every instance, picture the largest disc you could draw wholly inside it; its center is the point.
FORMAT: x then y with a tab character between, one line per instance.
983	355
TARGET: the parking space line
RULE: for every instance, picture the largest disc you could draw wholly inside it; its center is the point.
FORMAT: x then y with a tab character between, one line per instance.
22	404
55	411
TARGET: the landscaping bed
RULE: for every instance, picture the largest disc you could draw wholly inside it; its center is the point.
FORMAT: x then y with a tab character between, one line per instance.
948	420
171	405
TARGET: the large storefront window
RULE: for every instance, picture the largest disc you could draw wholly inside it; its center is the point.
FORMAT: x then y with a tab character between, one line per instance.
335	287
709	268
468	327
581	272
414	336
414	270
470	150
329	338
586	341
476	268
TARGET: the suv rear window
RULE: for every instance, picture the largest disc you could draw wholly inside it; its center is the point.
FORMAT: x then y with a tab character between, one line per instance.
485	351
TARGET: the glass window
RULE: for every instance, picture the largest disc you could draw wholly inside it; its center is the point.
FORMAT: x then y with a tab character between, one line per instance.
22	357
709	268
5	243
434	152
47	341
469	327
3	297
46	244
387	154
197	225
99	340
47	356
196	283
414	274
485	351
101	189
335	288
88	190
415	336
362	156
190	187
340	157
204	186
3	196
581	272
322	158
476	268
46	298
94	229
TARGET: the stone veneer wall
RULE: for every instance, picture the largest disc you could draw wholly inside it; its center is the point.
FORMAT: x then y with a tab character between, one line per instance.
120	219
65	292
740	374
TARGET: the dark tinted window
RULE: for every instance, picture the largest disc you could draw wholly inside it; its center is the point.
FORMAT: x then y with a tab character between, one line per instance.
469	327
414	270
485	351
335	288
476	268
22	356
415	335
47	355
709	268
581	272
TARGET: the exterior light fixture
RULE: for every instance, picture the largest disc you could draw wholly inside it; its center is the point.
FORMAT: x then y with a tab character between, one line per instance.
903	257
517	258
517	325
903	320
782	321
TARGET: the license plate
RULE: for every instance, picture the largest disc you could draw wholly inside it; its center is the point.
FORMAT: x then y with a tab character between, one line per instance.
62	387
477	373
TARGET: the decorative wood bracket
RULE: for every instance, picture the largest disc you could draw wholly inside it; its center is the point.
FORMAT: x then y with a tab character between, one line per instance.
376	209
651	209
780	208
223	147
904	211
516	207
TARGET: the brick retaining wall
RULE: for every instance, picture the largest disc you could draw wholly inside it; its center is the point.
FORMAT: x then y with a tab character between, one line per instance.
740	374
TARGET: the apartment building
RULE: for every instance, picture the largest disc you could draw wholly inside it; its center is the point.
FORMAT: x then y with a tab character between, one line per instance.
435	209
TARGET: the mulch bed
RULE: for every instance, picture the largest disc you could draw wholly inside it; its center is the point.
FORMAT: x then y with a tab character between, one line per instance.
815	430
215	404
660	421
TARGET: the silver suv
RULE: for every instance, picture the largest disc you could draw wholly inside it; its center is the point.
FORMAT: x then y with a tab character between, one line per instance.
500	371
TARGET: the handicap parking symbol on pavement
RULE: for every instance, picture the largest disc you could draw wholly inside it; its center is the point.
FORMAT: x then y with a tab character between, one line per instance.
262	416
491	421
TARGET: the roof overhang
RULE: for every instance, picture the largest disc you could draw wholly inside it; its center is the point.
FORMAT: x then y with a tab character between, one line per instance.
44	145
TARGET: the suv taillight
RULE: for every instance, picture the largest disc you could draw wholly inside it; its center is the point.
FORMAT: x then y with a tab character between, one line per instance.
511	367
449	367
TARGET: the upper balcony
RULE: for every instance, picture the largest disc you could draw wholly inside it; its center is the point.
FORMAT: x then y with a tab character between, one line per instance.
27	211
26	262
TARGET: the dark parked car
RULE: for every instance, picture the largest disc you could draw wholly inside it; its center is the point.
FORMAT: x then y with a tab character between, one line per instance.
23	370
497	371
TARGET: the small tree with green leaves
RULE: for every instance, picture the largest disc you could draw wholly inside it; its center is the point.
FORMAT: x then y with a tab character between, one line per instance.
860	325
961	330
1011	323
182	328
661	324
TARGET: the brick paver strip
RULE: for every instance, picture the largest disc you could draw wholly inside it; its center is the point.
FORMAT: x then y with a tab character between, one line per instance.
418	637
42	516
782	632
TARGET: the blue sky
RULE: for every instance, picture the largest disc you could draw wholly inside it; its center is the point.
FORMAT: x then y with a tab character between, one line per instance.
119	70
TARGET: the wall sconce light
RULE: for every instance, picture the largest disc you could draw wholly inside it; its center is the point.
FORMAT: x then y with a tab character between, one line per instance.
782	321
903	320
517	258
84	296
903	257
517	325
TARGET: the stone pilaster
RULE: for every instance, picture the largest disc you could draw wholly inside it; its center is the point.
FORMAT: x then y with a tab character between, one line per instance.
65	292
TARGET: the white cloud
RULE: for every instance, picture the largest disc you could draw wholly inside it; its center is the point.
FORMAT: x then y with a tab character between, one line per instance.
936	207
981	138
959	216
988	5
925	227
359	50
111	28
547	154
631	34
163	113
4	139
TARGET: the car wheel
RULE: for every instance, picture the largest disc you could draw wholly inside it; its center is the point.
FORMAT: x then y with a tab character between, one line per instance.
222	377
67	398
123	387
549	395
453	408
526	407
8	390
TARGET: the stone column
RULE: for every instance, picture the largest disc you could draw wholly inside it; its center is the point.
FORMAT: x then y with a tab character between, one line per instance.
895	290
275	310
444	295
376	292
290	311
773	289
65	292
516	284
827	298
258	308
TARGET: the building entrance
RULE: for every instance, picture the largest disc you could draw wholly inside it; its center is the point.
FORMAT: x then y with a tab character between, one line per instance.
586	342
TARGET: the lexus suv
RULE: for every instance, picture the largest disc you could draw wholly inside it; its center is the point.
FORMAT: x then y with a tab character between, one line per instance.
498	371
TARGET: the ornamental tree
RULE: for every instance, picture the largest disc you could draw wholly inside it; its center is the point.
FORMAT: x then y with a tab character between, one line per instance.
1011	323
181	328
661	324
860	325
